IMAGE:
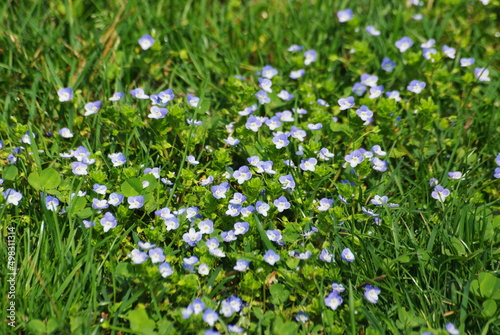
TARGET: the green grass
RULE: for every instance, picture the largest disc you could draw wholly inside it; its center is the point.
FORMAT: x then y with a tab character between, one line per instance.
434	262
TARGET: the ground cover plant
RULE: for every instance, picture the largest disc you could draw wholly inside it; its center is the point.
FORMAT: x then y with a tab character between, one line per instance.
260	167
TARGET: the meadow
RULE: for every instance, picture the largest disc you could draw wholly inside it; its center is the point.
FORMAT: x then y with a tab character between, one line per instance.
250	167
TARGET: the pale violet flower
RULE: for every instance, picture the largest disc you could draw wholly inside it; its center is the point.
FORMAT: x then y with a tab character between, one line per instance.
372	293
310	56
404	44
295	47
347	255
346	103
191	160
108	221
117	96
269	72
285	95
297	74
376	91
455	175
271	257
482	74
65	132
92	108
449	51
117	159
146	41
139	94
464	62
156	112
372	31
388	65
192	100
440	193
416	86
65	94
262	97
345	15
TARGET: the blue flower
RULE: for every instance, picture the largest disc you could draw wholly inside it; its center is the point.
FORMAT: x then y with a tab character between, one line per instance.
326	256
146	245
464	62
165	269
146	41
117	96
371	293
265	84
333	300
79	169
92	108
139	94
369	80
137	256
51	203
301	317
135	202
242	174
192	100
416	86
376	91
287	182
308	164
191	160
372	31
295	47
451	329
364	113
455	175
118	159
285	95
280	141
108	221
429	44
206	226
156	112
448	51
324	204
354	158
219	191
379	164
497	173
156	255
346	103
359	89
210	316
345	15
262	97
347	255
388	65
241	228
404	44
262	208
271	257
99	204
310	56
269	72
440	193
65	94
297	74
339	288
482	74
65	132
228	236
241	265
282	204
192	237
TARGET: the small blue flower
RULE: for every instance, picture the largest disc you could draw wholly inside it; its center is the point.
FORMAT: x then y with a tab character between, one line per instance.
310	56
346	103
451	329
372	31
308	164
192	100
345	15
219	191
449	51
135	202
262	97
139	94
404	44
156	255
333	300
301	317
369	80
156	112
482	74
464	62
358	89
282	204
265	84
92	108
388	65
269	72
376	91
326	256
165	269
347	255
51	203
354	158
241	265
295	47
79	169
297	74
210	316
108	221
285	95
416	86
287	182
262	208
242	174
117	96
281	141
192	237
146	41
271	257
440	193
325	204
191	160
137	256
65	94
65	132
371	293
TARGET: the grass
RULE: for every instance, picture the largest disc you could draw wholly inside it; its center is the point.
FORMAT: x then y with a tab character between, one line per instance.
434	262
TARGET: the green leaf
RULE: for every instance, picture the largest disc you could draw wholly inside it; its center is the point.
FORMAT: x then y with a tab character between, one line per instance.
77	204
131	187
35	181
140	321
489	308
49	179
488	283
10	172
37	326
85	213
279	294
52	326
